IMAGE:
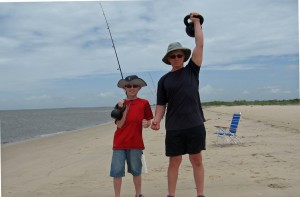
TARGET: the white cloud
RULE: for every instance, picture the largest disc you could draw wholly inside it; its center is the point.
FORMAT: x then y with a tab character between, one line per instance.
235	67
38	98
275	90
42	43
210	90
106	95
245	92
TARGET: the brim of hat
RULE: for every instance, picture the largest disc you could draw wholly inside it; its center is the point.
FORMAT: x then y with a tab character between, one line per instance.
122	83
187	54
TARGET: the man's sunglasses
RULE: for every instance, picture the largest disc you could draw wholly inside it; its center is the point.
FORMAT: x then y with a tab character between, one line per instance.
131	86
174	56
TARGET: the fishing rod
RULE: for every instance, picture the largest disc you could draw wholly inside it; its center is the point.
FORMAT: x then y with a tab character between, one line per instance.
112	41
120	69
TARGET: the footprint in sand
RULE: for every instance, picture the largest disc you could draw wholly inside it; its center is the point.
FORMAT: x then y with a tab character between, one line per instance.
213	177
279	185
275	182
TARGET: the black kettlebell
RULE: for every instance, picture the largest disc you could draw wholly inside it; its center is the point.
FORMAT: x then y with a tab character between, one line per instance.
117	113
190	31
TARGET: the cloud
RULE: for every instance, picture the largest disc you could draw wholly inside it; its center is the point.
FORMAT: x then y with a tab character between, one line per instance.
108	95
38	98
275	90
43	44
210	90
245	92
235	67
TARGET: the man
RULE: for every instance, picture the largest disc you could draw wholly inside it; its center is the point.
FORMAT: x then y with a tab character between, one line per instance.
178	93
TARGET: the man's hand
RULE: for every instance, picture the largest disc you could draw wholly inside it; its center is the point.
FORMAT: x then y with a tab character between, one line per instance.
193	18
155	125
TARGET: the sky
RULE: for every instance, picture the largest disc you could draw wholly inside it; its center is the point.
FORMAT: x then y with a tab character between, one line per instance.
60	55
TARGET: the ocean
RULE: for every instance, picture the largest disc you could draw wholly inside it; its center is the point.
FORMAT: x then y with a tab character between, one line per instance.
19	125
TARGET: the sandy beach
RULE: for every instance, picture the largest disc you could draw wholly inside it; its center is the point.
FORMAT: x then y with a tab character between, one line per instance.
77	164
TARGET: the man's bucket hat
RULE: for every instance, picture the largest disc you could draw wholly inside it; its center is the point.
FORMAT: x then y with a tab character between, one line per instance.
176	46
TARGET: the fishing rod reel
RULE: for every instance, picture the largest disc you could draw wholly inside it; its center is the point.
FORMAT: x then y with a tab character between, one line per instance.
117	113
189	29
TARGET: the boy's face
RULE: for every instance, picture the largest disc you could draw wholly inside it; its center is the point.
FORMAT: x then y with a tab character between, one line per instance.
132	89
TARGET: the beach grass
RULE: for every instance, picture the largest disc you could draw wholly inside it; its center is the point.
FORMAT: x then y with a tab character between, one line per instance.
255	102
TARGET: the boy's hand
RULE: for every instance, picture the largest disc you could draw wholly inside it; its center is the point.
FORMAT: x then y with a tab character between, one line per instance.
120	104
146	123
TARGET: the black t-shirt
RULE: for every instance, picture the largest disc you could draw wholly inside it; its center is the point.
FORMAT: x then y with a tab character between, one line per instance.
179	90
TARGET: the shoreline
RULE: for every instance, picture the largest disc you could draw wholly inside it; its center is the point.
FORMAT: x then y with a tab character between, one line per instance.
20	125
51	134
76	164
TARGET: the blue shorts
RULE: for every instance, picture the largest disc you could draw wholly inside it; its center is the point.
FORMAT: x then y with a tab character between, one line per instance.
134	162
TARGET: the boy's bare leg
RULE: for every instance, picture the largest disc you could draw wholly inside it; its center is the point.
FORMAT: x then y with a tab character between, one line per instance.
117	186
137	180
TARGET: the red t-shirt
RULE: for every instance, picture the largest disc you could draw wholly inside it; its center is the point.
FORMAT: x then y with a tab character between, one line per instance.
130	135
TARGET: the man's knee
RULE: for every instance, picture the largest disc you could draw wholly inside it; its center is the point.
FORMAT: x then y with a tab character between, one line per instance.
196	160
175	161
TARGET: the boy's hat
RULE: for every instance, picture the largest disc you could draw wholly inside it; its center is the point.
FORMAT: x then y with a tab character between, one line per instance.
176	46
133	80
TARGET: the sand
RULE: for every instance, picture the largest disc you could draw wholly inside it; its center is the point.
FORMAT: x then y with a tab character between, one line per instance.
76	164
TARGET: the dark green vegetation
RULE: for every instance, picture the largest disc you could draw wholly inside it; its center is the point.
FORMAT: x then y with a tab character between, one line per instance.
256	102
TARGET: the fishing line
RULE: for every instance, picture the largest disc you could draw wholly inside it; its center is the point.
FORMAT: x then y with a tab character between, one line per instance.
113	44
155	92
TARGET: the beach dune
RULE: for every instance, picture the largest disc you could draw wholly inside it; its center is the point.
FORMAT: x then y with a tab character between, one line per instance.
77	164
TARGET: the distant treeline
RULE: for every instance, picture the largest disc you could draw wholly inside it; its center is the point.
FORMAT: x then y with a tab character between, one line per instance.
256	102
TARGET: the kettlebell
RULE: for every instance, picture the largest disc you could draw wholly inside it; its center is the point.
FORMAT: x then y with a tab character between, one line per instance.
189	29
117	113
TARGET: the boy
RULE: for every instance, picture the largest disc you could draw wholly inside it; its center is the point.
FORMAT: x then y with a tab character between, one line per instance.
128	142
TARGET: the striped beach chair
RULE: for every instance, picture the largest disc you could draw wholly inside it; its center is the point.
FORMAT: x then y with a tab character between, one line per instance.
229	133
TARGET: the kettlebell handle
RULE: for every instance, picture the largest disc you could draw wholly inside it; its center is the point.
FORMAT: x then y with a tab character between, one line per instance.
118	113
123	108
187	17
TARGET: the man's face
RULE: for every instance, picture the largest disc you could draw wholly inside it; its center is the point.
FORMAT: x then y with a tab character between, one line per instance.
176	58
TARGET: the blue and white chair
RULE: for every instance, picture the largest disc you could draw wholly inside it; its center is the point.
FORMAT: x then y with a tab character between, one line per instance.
229	133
